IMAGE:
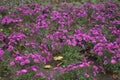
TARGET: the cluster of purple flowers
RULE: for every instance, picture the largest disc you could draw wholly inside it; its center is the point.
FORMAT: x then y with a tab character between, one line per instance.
42	30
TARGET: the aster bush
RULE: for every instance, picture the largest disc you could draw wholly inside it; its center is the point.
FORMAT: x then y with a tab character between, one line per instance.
60	42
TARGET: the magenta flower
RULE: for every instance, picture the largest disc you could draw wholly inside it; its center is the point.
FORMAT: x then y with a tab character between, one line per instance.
100	53
27	61
86	75
6	20
36	60
19	58
105	62
22	63
95	68
2	9
10	48
113	61
21	72
35	69
40	74
2	37
24	71
1	54
94	73
58	68
12	63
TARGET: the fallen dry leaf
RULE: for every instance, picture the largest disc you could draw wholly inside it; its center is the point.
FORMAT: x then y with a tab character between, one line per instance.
115	76
47	66
57	58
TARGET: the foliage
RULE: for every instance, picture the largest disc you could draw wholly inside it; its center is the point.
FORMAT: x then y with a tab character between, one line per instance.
86	39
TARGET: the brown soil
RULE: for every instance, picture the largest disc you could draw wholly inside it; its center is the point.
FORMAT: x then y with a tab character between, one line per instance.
106	77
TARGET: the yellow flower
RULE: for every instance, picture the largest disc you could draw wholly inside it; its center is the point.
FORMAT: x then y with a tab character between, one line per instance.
47	66
57	58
